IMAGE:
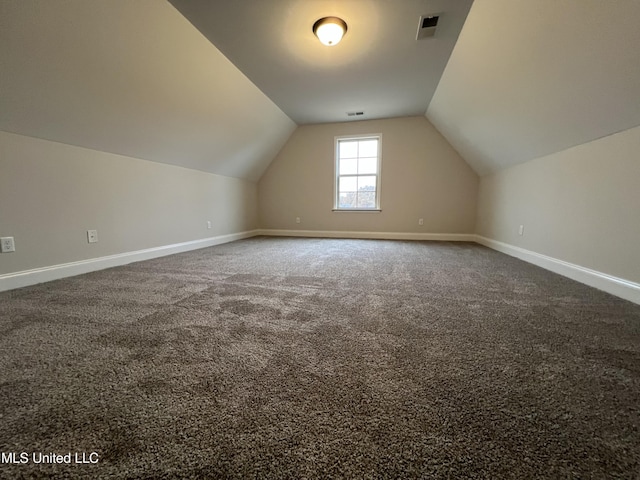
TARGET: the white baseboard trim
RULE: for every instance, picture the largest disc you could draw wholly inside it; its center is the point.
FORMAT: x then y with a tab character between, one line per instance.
45	274
616	286
443	237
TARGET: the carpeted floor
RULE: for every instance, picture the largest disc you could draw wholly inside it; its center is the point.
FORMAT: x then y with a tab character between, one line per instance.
321	358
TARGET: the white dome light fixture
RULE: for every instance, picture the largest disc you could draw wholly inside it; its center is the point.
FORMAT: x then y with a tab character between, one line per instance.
330	30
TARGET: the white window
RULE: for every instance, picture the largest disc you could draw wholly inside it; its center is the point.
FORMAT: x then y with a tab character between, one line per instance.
358	173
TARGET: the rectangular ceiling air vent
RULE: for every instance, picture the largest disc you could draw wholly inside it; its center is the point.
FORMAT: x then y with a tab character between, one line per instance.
427	26
354	114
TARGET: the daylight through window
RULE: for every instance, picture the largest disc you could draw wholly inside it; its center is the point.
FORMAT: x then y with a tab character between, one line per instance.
358	173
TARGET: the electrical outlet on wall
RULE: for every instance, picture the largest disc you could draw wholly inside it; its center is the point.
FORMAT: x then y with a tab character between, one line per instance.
421	221
7	245
521	230
209	224
92	236
297	219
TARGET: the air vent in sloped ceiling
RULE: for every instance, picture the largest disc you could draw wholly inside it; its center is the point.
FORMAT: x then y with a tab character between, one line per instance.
427	26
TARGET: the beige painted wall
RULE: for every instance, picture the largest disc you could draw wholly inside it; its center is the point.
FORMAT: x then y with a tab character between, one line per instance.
422	177
580	205
51	194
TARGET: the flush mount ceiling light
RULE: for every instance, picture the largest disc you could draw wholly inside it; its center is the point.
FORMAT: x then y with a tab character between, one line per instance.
330	30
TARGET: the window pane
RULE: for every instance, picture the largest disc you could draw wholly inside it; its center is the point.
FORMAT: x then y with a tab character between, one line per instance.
349	166
358	171
366	200
348	149
366	183
368	148
348	184
347	200
367	165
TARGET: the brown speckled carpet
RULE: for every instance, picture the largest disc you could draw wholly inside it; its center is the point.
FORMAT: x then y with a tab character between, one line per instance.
320	358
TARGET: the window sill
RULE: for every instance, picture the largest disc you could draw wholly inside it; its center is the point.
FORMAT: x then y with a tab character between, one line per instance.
357	210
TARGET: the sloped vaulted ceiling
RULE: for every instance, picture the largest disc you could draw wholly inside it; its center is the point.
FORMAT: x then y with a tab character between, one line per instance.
530	78
379	68
526	77
133	78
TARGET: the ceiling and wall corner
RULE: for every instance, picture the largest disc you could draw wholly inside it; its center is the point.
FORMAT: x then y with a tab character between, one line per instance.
527	79
136	79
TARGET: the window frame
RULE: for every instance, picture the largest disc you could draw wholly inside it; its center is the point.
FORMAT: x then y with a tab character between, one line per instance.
336	173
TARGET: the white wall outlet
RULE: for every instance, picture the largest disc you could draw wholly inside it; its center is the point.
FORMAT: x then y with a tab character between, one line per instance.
521	230
297	219
7	245
92	236
421	221
209	224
